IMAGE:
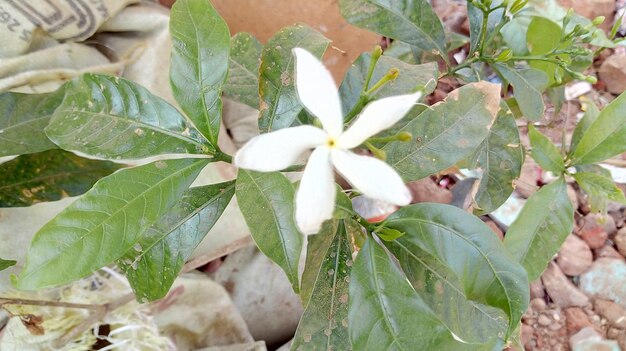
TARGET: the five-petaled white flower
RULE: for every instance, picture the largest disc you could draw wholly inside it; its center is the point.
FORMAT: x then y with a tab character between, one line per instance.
315	199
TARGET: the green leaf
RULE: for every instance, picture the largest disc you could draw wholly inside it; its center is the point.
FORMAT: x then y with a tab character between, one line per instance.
476	16
591	114
49	176
597	185
4	264
266	201
542	37
385	313
528	86
107	221
410	78
447	132
23	118
317	246
343	206
279	101
470	250
500	156
545	152
400	50
540	228
605	136
114	118
243	73
514	34
597	202
158	257
324	324
443	292
200	50
411	21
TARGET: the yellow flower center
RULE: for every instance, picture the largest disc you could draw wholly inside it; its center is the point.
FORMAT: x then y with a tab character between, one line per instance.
331	142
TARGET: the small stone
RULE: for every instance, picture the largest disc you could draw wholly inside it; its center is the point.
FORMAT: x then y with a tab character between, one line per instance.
620	241
495	228
608	251
588	339
575	320
544	320
575	256
537	290
613	73
538	304
527	336
573	197
595	237
614	313
560	288
613	333
426	190
605	279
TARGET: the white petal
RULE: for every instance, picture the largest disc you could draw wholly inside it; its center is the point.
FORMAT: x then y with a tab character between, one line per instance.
315	199
371	176
318	92
376	117
278	150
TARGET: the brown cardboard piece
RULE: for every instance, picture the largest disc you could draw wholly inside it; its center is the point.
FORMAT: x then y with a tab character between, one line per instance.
263	18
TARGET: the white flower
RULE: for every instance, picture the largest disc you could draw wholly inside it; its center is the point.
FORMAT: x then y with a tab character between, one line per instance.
315	199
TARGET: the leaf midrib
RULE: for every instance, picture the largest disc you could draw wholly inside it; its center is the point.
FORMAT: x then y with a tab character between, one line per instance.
183	221
276	223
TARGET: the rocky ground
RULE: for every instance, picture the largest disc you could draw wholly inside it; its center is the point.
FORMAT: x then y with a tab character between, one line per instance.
579	303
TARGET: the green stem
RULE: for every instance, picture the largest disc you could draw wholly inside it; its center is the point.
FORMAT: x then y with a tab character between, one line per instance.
378	51
389	77
364	99
402	136
221	156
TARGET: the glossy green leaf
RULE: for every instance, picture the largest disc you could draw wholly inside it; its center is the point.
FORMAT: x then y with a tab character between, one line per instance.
514	34
411	21
605	136
500	156
317	246
545	152
528	86
243	73
114	118
597	185
158	257
385	313
582	126
23	118
443	292
482	268
447	132
343	205
266	201
544	36
540	228
200	50
4	264
49	176
410	77
597	201
107	221
324	324
476	16
400	50
279	101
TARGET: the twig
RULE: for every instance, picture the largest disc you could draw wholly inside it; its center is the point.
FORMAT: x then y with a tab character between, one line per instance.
99	312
